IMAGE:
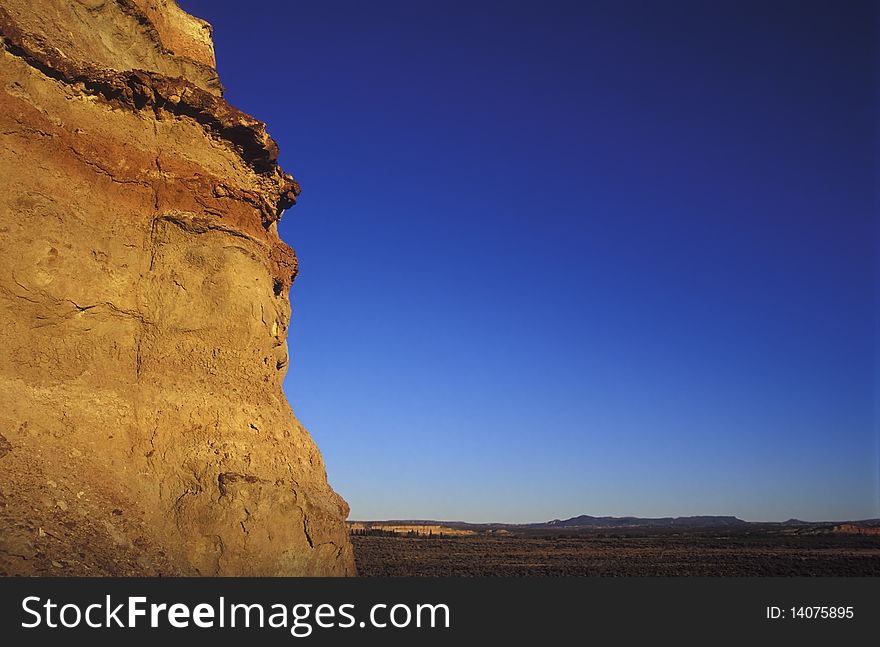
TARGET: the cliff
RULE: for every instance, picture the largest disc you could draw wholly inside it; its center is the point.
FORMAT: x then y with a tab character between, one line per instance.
857	529
144	293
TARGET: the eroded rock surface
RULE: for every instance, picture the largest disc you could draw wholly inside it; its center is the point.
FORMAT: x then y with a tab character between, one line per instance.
144	310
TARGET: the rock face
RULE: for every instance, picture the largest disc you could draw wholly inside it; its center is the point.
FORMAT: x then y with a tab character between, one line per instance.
144	311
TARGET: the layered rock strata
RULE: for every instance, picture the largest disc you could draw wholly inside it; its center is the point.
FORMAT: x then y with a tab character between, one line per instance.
144	310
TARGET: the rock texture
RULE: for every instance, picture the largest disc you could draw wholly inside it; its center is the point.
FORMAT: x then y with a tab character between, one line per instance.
144	310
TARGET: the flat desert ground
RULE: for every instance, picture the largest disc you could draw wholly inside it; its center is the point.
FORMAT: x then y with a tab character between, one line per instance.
637	553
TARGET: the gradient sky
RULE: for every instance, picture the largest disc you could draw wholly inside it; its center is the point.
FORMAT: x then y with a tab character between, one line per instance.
561	258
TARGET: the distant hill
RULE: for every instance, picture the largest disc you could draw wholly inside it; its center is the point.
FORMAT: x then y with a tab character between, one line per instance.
587	521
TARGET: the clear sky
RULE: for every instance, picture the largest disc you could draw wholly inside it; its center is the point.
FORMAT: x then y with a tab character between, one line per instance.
561	258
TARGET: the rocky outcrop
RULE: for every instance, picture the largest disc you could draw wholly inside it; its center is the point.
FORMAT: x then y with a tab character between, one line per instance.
410	529
144	310
856	529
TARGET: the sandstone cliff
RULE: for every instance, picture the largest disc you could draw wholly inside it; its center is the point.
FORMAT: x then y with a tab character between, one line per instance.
144	310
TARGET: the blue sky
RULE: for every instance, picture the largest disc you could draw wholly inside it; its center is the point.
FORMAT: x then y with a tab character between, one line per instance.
561	258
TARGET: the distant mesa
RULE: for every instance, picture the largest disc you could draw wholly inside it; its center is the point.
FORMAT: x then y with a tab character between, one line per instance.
586	521
857	529
404	528
459	528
